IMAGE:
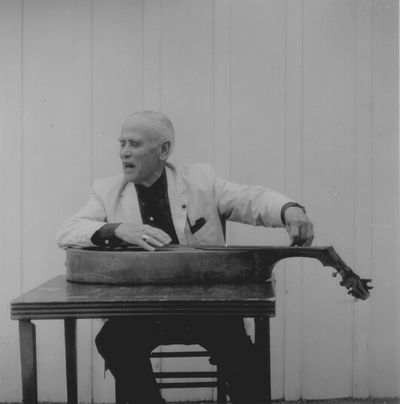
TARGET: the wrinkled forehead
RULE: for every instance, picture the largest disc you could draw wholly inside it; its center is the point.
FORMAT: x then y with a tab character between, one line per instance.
138	124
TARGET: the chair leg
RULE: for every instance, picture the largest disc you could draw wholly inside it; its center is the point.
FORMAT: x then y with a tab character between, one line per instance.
221	388
262	342
119	398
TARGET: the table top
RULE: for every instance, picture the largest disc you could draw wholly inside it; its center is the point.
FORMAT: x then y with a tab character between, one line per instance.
60	299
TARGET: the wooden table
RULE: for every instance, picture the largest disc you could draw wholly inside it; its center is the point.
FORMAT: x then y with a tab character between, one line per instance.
60	299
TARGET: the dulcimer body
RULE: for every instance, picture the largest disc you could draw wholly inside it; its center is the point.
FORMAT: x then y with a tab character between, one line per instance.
197	265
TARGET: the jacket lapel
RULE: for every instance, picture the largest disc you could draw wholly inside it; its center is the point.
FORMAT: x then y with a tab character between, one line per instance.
177	202
130	204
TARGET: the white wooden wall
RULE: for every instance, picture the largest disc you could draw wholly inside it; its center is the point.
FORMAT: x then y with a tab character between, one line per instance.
298	95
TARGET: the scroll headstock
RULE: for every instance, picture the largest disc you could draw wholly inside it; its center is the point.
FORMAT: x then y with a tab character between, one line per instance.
356	286
268	257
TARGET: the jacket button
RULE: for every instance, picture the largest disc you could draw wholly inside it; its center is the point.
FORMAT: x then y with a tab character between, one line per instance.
184	206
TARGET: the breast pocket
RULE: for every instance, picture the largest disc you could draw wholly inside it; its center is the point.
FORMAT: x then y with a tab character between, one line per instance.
205	230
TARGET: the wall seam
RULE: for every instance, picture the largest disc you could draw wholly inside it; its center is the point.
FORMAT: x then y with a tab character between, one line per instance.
21	137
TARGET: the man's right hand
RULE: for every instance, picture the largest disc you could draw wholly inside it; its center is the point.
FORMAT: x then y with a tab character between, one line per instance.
142	235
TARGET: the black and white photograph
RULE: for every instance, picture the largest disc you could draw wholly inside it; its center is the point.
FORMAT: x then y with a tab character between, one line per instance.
200	202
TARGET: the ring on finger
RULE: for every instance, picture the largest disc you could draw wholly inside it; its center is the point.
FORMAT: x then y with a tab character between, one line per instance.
145	238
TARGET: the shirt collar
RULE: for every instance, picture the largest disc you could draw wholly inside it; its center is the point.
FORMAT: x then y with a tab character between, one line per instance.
160	186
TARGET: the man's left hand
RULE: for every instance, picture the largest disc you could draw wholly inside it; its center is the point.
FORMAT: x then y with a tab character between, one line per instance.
299	227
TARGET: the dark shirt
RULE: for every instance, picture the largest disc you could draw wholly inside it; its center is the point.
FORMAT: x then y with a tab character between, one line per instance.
154	209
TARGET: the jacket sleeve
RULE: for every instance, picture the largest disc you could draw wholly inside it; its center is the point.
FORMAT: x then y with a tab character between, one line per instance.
254	205
78	230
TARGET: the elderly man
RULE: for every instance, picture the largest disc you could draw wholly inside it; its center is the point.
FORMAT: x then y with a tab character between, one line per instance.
153	204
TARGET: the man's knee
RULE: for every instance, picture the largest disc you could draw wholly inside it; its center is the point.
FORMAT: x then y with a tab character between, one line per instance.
127	335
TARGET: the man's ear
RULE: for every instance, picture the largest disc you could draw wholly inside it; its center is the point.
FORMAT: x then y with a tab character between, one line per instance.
165	148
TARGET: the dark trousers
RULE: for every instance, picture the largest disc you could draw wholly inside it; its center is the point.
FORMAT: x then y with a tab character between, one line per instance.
126	343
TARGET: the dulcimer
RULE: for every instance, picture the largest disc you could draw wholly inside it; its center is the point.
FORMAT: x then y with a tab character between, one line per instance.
188	264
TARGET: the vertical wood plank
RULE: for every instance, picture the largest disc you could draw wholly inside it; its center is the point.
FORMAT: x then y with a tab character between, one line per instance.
293	181
222	88
385	308
258	104
151	55
187	87
48	121
85	346
363	167
117	77
328	192
10	200
82	134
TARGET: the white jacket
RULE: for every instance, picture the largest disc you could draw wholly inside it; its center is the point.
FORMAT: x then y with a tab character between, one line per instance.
194	191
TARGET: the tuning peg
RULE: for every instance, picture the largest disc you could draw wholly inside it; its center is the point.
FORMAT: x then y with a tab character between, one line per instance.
334	274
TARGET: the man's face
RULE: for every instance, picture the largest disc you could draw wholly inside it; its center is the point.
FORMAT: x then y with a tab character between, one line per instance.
140	155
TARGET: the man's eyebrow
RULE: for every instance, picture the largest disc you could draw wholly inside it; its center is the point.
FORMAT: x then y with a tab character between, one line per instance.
130	140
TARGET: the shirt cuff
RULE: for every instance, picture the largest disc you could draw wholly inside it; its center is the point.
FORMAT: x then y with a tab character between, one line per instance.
105	236
289	205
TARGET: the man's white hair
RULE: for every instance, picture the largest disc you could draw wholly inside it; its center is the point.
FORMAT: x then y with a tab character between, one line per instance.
161	127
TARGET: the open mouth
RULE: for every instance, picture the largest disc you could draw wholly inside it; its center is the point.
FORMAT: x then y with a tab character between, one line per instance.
128	166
